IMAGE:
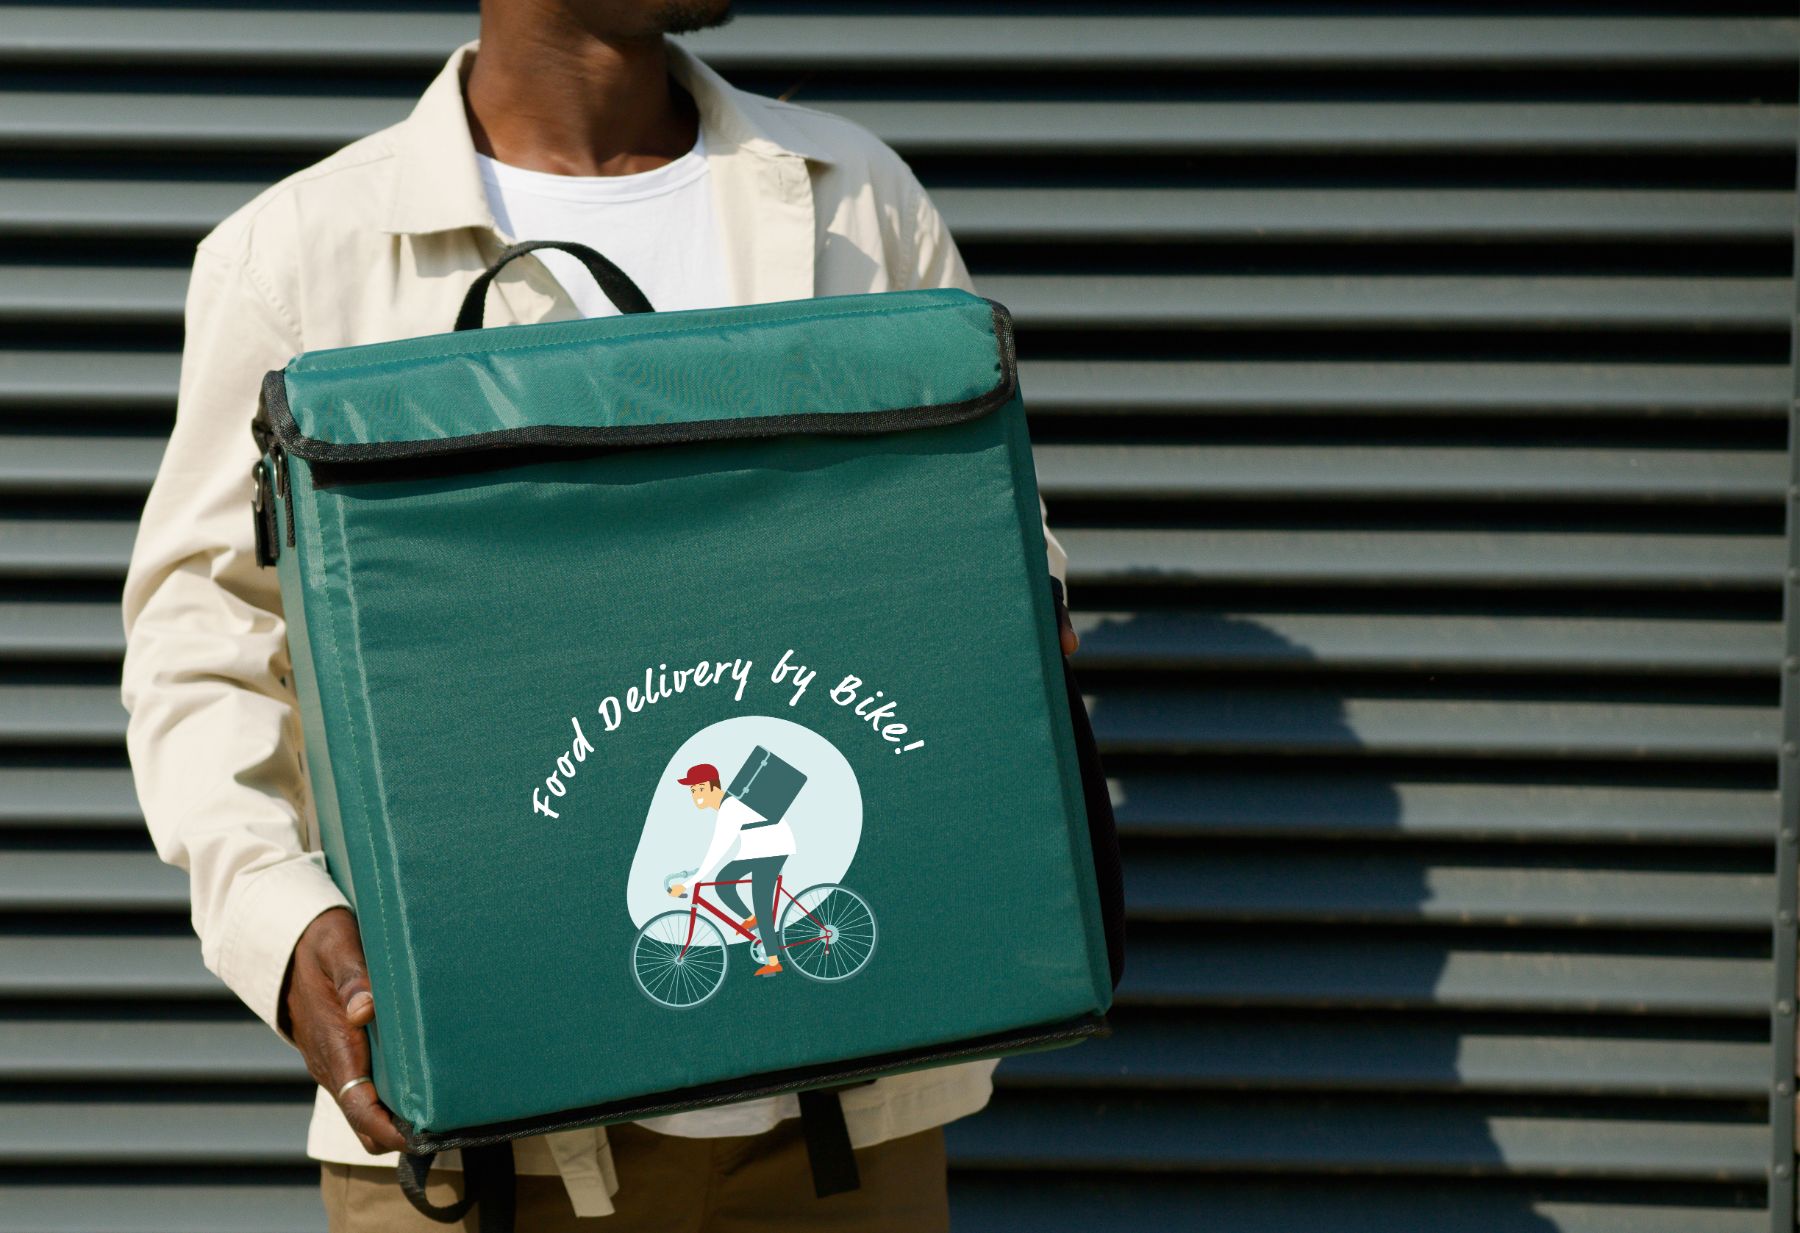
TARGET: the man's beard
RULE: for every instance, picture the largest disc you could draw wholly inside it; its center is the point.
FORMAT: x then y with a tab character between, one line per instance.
682	16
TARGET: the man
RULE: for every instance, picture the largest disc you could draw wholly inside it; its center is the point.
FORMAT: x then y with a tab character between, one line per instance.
379	241
762	849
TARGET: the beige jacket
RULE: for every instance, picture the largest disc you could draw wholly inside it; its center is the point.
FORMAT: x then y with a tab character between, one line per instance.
376	242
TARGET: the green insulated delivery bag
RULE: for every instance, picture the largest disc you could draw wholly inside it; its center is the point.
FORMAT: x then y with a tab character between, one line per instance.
683	704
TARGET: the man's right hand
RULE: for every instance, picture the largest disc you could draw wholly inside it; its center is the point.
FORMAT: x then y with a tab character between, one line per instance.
325	1007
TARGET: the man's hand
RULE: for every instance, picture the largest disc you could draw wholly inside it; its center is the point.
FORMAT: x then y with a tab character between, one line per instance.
677	891
325	1006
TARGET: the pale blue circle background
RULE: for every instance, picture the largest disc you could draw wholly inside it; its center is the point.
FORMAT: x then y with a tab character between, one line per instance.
826	816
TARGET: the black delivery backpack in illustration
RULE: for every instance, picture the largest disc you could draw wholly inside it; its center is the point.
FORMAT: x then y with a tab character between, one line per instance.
672	682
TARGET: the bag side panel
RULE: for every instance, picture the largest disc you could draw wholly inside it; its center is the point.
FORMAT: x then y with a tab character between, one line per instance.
316	588
1048	643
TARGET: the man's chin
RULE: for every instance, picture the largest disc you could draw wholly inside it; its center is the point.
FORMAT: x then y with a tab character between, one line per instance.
683	16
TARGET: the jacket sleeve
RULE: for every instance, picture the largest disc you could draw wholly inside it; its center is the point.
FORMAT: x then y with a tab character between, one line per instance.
213	733
937	263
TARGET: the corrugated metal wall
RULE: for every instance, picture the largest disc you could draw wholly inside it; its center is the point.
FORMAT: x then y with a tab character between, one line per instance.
1412	384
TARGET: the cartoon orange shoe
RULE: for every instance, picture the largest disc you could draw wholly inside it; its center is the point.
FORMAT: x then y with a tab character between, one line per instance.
750	922
771	968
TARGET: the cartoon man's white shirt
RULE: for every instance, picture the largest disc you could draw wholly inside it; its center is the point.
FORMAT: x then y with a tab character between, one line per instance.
759	841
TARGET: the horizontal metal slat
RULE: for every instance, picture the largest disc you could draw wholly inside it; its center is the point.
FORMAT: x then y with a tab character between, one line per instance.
1340	969
1343	1053
1387	302
114	380
1260	472
1401	888
77	1049
67	797
1076	41
1336	128
179	1205
125	465
185	208
74	549
53	630
49	966
1023	1130
1194	639
216	1133
1346	968
1314	722
1236	1052
90	380
1419	1135
1298	721
1359	390
154	209
1073	1201
1491	302
103	465
61	714
1385	889
302	124
1374	806
80	881
1399	558
1363	807
1200	640
1342	215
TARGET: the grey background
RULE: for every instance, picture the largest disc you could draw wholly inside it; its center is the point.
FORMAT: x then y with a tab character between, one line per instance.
1411	385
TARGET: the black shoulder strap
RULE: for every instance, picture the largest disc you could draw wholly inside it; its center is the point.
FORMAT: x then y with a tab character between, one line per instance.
828	1143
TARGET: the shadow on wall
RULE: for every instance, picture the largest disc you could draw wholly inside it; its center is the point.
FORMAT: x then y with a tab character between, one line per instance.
1278	1060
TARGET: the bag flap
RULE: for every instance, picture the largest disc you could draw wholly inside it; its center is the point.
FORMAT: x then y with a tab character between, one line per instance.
841	364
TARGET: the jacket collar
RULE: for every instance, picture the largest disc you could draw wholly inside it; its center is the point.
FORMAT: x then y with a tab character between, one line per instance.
437	184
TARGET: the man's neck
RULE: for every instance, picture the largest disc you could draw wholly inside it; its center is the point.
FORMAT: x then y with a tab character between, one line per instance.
551	96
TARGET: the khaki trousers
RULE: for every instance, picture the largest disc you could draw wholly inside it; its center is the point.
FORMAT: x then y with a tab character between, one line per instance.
668	1184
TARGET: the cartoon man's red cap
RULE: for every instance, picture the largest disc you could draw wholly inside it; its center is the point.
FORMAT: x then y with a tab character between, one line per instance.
700	772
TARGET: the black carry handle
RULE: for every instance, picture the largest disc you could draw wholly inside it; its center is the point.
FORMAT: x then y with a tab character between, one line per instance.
488	1181
613	281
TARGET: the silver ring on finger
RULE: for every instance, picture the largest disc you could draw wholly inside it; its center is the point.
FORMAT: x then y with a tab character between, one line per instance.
353	1083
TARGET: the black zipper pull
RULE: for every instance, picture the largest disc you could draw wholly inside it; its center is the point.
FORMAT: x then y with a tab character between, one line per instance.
279	457
263	511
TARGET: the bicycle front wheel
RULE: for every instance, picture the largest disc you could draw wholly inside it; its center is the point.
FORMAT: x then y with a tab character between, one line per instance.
827	933
676	969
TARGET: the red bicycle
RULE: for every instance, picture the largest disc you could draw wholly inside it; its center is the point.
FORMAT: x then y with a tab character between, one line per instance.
826	933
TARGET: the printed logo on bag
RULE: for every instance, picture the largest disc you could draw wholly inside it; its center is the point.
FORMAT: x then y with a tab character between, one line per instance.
750	831
748	834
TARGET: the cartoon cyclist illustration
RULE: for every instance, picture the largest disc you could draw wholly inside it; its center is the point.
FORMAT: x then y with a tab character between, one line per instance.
762	847
824	933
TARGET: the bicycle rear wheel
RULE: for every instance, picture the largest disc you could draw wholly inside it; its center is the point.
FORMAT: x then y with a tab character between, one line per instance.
673	970
827	933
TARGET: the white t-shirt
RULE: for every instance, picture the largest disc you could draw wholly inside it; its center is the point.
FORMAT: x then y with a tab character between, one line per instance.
658	226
